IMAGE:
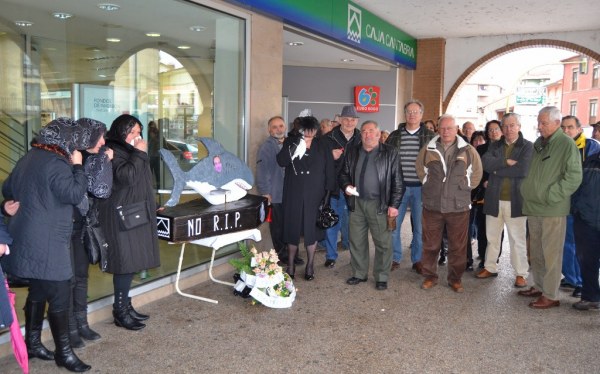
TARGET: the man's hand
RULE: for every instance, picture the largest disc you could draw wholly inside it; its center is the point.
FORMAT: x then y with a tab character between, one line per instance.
510	162
4	249
268	196
11	207
392	212
337	153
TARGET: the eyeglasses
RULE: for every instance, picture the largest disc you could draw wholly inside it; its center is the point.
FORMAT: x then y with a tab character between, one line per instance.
409	112
494	129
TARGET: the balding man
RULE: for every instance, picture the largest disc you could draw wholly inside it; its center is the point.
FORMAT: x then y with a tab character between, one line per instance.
449	169
571	126
554	175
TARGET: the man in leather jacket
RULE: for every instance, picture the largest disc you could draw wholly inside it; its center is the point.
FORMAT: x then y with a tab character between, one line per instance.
371	178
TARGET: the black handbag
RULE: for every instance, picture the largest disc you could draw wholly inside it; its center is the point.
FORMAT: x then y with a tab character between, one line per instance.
327	217
94	240
133	215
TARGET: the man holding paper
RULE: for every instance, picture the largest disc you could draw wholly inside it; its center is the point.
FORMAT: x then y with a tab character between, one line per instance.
371	178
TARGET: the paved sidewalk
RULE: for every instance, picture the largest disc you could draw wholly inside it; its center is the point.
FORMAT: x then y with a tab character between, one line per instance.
337	328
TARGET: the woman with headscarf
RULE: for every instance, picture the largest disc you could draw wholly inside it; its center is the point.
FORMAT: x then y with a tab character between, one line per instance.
131	248
98	168
47	182
309	173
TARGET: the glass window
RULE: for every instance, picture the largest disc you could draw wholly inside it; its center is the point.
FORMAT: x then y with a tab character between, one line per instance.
593	111
573	108
595	75
178	66
574	80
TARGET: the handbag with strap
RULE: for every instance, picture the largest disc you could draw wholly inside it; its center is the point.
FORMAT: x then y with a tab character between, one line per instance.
133	215
327	217
94	240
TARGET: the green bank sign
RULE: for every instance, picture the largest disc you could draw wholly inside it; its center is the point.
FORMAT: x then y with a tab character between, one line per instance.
345	22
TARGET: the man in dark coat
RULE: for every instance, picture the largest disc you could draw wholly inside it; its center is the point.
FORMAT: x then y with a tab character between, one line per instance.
371	177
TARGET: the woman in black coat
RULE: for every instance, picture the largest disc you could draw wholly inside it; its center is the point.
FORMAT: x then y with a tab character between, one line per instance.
98	169
130	249
47	182
309	173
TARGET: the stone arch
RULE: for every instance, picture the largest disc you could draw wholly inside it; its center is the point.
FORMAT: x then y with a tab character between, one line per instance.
511	48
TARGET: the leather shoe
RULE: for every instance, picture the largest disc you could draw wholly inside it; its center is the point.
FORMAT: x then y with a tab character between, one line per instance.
442	260
418	267
531	292
544	303
456	287
520	282
354	281
428	284
576	292
485	274
329	263
587	305
395	265
309	277
381	286
565	284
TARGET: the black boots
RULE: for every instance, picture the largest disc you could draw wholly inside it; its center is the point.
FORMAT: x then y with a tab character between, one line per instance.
134	313
76	341
34	319
84	328
64	355
121	313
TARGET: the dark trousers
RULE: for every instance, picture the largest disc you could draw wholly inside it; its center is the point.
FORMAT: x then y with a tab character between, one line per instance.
588	255
479	221
56	293
457	225
79	282
276	228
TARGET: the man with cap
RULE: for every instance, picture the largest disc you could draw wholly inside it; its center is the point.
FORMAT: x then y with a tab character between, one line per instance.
408	139
340	138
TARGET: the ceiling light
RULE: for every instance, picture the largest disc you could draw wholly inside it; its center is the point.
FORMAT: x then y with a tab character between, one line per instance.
295	44
109	7
62	15
24	23
153	34
184	47
113	40
347	60
198	28
102	75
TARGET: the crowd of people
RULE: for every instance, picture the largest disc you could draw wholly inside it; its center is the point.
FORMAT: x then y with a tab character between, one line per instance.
76	171
465	188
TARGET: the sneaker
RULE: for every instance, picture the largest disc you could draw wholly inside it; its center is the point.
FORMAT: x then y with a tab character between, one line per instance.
329	263
587	305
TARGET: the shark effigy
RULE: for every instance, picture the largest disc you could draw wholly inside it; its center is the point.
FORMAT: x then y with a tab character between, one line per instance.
219	177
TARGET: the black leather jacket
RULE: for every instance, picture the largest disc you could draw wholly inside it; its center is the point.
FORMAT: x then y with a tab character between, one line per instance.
391	188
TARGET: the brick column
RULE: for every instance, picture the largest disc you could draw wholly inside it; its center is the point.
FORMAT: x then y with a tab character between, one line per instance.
428	78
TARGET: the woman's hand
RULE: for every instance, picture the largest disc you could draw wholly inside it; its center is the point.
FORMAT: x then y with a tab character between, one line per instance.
11	207
4	249
140	144
110	153
76	158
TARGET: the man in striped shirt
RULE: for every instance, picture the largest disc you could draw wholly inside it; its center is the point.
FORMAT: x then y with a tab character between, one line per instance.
408	139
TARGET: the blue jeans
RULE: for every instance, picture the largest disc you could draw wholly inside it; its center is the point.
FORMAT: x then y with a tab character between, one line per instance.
412	198
331	235
570	265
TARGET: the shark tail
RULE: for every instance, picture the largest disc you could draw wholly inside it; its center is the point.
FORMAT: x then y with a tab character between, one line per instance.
178	177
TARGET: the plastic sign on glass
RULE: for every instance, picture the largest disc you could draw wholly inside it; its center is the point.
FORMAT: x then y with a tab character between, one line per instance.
366	99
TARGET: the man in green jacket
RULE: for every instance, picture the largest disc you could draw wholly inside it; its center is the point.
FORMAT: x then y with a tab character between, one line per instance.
554	174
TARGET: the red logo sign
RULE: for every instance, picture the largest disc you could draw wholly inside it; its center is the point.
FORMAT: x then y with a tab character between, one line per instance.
366	99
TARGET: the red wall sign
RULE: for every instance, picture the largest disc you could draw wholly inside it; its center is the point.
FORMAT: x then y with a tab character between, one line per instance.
366	99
